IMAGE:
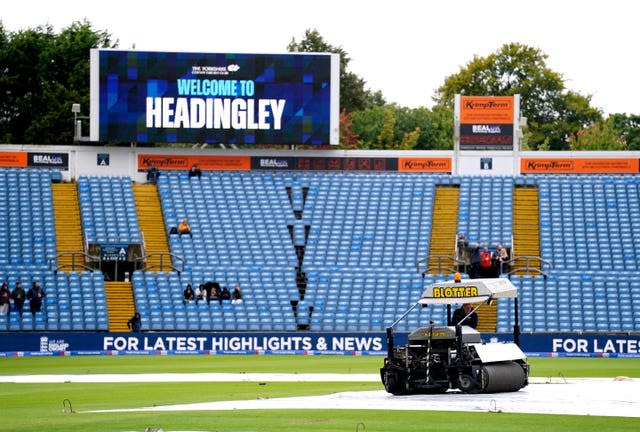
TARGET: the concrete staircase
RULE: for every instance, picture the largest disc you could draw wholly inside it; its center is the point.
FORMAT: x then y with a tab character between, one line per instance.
444	225
526	227
443	237
120	305
152	226
66	212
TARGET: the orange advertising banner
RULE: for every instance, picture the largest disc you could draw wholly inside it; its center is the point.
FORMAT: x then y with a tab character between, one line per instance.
13	159
579	166
210	163
424	164
486	110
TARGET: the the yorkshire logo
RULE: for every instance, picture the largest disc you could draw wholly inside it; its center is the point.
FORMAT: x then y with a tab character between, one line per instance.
455	292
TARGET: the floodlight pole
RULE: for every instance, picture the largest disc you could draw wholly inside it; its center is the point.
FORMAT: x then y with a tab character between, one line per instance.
77	123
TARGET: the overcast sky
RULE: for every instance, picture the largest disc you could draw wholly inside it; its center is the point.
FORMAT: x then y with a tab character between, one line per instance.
403	48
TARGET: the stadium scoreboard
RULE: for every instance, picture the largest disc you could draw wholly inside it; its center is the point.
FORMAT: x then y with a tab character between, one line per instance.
180	97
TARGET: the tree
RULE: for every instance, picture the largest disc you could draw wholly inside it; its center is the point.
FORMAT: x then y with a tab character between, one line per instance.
385	139
44	74
602	135
348	138
554	114
434	126
629	127
353	95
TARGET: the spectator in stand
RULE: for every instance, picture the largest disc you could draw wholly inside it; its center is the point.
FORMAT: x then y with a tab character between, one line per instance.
153	174
486	268
463	248
195	171
188	294
236	295
225	294
135	323
18	296
35	295
184	228
474	273
460	314
213	288
500	256
5	298
201	294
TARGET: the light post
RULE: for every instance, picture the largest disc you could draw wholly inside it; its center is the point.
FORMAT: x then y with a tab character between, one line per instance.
77	123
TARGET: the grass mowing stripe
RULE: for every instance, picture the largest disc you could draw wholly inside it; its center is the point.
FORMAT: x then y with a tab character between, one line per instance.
540	367
37	407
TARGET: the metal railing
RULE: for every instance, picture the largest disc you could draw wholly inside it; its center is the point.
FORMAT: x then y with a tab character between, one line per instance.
446	264
79	260
142	263
529	265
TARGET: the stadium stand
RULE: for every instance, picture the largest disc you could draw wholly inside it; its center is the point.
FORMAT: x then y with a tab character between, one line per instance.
327	251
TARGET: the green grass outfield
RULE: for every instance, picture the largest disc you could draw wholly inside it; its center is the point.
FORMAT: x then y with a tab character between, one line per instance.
38	407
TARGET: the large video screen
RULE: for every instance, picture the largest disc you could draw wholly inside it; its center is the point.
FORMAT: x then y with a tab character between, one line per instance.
163	97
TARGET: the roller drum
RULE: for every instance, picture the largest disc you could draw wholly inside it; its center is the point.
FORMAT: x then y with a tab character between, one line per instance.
502	377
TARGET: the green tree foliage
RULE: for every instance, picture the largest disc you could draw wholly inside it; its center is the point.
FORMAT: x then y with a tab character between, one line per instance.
554	114
353	95
629	127
410	139
435	127
385	139
602	135
43	75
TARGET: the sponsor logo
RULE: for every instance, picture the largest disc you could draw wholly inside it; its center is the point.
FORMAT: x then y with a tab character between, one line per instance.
52	345
550	165
414	164
48	159
455	292
487	104
165	162
486	129
215	70
274	163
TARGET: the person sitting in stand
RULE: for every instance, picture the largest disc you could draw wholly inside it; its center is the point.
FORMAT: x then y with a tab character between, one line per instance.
153	174
184	228
188	294
462	312
214	292
236	295
225	294
201	294
195	171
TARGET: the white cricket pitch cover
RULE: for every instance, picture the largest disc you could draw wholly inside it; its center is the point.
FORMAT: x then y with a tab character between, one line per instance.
573	396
